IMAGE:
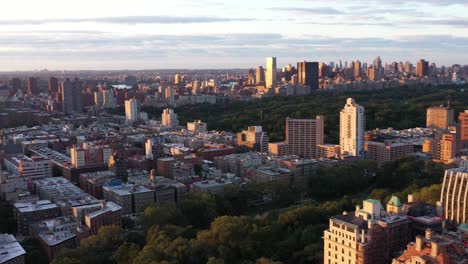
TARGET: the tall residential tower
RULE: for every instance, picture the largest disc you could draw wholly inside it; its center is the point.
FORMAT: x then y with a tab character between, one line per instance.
352	129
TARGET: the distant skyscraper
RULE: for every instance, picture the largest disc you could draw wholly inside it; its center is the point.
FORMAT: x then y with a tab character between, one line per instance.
308	74
53	85
77	92
32	86
177	78
439	117
169	118
357	69
260	75
303	136
270	78
108	99
170	96
131	110
352	129
67	97
422	68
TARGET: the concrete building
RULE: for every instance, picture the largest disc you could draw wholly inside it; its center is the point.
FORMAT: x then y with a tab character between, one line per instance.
95	216
271	174
131	110
210	186
254	138
56	234
169	118
33	168
328	151
278	148
132	198
11	252
26	213
387	151
352	129
369	235
90	155
197	126
270	76
439	117
304	135
454	195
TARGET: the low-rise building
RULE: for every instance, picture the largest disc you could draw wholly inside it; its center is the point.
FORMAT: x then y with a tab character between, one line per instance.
11	252
210	186
55	234
131	197
26	213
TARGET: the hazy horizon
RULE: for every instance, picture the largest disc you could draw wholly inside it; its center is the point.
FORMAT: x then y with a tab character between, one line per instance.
213	34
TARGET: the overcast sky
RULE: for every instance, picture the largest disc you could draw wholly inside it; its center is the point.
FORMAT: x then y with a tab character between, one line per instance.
150	34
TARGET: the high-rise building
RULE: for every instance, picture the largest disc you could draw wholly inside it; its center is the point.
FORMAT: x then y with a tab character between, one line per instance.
15	84
270	78
308	74
422	69
357	69
108	99
260	75
32	86
170	96
98	100
439	117
131	110
462	132
77	92
453	196
67	97
352	129
303	136
53	85
177	79
255	138
169	118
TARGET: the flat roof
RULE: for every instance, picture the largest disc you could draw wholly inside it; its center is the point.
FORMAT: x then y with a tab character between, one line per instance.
9	248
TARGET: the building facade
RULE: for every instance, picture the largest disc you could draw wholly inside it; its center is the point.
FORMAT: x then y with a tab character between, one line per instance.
352	129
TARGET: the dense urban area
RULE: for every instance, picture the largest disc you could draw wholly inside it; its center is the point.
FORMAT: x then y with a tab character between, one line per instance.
310	163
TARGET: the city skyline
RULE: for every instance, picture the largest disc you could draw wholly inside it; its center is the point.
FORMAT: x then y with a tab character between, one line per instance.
214	34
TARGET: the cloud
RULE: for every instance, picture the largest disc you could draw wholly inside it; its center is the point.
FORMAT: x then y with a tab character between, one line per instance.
128	20
310	10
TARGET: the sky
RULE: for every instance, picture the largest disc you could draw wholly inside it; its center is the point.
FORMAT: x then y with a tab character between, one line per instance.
201	34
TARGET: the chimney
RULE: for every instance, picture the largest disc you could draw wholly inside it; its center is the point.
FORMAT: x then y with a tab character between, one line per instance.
428	234
434	249
419	243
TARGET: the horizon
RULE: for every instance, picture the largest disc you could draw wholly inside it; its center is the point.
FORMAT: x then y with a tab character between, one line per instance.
212	34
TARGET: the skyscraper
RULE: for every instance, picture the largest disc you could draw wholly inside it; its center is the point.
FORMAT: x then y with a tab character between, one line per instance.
131	110
352	129
270	78
260	75
357	69
32	86
422	68
303	136
77	93
67	97
308	74
53	85
170	96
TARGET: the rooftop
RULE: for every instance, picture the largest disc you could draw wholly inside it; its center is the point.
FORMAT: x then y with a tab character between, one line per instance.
9	248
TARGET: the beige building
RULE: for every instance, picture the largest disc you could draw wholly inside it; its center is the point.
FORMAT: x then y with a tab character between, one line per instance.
197	126
278	148
328	151
254	138
439	117
386	151
366	236
304	135
352	129
169	118
454	195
